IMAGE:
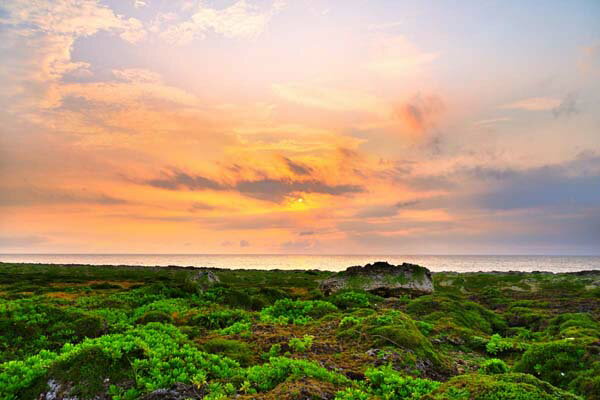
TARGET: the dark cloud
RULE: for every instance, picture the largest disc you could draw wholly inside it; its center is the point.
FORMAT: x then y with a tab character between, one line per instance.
277	189
244	243
384	210
181	180
268	189
297	168
307	233
407	204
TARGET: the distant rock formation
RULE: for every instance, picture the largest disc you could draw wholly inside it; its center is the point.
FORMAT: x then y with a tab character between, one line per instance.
205	278
383	279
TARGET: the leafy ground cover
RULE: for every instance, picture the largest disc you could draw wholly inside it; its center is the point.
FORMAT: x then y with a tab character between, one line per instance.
125	333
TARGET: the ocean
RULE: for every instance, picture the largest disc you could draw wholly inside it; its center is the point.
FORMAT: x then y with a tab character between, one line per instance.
457	263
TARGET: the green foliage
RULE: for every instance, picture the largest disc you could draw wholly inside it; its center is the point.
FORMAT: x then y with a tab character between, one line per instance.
396	329
353	299
349	322
464	313
424	327
234	349
274	351
238	328
573	325
497	344
351	394
81	326
390	385
286	311
29	325
219	318
154	316
498	387
301	345
265	377
494	366
158	355
568	364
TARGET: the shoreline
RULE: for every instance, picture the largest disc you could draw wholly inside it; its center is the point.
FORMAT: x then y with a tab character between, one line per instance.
217	269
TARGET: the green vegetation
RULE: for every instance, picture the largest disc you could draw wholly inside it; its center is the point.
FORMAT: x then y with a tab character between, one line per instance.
123	333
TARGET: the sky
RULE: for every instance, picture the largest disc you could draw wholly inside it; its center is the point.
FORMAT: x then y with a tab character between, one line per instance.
300	126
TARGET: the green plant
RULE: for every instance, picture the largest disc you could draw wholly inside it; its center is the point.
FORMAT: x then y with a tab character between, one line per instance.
352	394
353	299
568	364
301	345
286	311
349	322
497	344
494	366
389	384
264	377
498	387
234	349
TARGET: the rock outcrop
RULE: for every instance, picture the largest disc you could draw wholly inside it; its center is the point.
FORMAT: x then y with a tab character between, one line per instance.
383	279
204	279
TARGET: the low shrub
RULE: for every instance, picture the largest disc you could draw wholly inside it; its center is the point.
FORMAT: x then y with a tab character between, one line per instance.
287	311
568	364
234	349
301	345
494	366
498	387
262	378
465	313
353	299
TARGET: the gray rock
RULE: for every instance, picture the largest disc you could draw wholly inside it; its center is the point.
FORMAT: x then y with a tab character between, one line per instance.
204	278
383	279
179	391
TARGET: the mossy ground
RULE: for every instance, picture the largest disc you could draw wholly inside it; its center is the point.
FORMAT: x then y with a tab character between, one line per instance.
124	332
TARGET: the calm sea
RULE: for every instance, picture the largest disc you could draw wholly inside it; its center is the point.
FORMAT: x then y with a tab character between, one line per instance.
324	262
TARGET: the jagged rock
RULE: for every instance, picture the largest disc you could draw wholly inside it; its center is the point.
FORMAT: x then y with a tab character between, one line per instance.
205	278
57	391
179	391
383	279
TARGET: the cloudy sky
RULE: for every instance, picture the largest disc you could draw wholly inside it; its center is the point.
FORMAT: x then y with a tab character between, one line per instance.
300	126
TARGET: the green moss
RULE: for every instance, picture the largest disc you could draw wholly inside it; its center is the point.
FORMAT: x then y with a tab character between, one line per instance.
494	366
465	313
568	364
234	349
88	369
573	325
498	387
395	329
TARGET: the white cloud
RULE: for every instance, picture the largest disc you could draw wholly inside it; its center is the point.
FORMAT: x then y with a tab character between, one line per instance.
534	104
393	55
492	121
239	20
330	98
38	38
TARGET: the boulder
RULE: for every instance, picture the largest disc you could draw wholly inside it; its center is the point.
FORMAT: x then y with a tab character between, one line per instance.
204	278
383	279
